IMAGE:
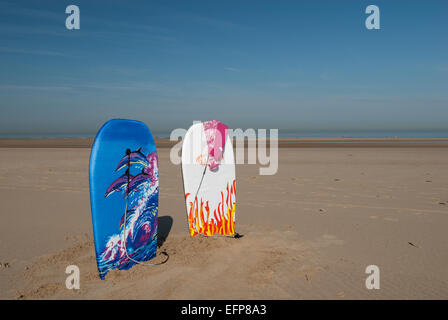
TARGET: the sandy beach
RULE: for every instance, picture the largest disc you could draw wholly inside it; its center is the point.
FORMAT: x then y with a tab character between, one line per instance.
309	231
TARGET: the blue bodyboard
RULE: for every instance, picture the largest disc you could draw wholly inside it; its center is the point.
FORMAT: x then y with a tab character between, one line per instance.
124	178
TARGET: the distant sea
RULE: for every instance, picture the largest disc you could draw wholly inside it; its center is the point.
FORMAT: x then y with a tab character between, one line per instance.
282	134
364	134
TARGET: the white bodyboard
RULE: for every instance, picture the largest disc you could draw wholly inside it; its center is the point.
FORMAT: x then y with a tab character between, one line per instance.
210	195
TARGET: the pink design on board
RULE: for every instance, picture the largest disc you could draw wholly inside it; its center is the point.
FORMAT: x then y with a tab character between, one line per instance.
216	134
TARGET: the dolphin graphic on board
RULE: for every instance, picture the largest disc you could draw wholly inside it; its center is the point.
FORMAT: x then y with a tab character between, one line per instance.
135	157
138	180
118	184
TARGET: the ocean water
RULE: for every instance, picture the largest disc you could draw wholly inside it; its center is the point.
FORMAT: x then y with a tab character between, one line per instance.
281	134
364	134
349	134
47	135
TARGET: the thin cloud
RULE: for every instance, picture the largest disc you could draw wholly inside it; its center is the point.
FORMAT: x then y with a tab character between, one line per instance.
284	84
12	9
36	30
128	86
125	71
32	52
232	69
10	87
219	23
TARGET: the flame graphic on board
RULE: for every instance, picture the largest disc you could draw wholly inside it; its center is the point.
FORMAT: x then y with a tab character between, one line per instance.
220	220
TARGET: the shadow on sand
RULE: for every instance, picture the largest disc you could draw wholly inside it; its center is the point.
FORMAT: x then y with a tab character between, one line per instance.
164	228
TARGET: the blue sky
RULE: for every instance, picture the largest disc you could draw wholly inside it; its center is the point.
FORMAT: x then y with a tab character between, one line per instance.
297	65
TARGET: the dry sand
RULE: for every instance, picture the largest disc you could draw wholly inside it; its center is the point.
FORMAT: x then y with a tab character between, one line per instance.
310	231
